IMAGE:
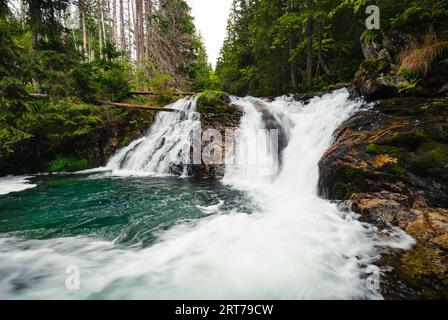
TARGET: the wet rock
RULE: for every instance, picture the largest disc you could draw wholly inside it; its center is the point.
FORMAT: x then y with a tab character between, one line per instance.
390	164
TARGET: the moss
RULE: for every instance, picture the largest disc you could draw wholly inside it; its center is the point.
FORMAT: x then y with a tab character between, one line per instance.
431	154
68	164
212	101
389	150
424	262
370	35
375	67
404	139
400	172
408	87
351	180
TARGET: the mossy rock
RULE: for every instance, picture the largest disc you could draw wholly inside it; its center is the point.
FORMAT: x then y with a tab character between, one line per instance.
375	149
431	156
212	101
348	180
407	139
216	110
68	164
375	67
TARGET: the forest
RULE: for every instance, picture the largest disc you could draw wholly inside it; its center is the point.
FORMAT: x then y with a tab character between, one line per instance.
275	46
77	53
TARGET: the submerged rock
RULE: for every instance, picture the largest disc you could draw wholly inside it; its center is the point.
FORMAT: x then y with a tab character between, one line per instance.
390	164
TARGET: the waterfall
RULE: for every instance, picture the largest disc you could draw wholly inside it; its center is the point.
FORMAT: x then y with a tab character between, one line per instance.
164	149
292	245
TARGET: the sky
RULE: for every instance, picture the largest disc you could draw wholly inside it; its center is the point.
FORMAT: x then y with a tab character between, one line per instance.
211	20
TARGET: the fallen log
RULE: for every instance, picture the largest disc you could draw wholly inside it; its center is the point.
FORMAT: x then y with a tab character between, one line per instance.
38	95
114	104
136	106
152	93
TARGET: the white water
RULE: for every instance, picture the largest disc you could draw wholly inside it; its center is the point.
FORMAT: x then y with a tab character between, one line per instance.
297	247
163	147
15	184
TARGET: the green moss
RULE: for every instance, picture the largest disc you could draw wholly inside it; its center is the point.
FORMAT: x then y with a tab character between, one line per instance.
375	67
408	86
404	139
350	179
68	164
399	172
389	150
212	101
370	35
423	262
431	158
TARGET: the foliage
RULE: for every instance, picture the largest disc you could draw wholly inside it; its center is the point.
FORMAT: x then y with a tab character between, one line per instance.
268	47
210	101
418	60
68	164
266	50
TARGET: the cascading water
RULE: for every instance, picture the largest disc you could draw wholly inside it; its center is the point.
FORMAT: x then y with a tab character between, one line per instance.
164	147
294	246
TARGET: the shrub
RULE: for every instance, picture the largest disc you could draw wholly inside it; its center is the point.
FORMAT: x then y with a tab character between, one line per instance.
68	164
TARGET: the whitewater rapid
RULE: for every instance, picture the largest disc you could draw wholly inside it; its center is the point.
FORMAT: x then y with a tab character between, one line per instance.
164	147
10	184
297	246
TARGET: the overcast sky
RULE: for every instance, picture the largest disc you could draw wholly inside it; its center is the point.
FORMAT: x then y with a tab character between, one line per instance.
211	21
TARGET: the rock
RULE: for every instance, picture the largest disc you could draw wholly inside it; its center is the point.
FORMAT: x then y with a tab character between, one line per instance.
216	113
373	79
382	75
381	208
219	114
390	164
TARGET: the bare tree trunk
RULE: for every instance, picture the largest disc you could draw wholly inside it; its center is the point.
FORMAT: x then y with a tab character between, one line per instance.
148	13
141	33
100	28
22	13
122	38
103	24
309	45
131	27
114	22
82	16
137	30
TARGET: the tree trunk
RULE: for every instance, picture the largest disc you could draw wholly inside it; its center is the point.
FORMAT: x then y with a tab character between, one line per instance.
35	43
82	16
293	65
309	46
148	13
103	24
114	22
320	57
100	28
139	33
122	38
